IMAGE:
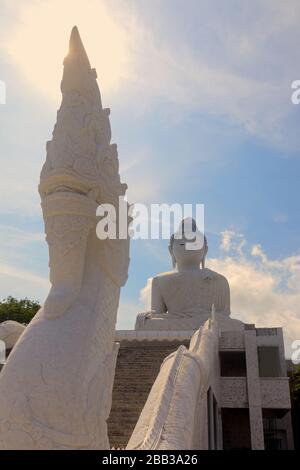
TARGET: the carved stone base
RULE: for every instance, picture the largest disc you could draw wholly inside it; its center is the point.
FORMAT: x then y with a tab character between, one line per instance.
149	321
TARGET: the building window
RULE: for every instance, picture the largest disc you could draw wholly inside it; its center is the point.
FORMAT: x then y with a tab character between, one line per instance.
216	415
236	429
212	420
233	364
275	434
209	428
269	361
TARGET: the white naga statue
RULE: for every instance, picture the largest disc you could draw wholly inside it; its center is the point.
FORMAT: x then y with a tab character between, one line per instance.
55	389
183	299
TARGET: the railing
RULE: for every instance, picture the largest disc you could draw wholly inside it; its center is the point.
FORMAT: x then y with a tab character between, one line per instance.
266	332
178	396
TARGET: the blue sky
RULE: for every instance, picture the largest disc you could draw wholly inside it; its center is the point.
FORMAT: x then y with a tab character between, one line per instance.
200	98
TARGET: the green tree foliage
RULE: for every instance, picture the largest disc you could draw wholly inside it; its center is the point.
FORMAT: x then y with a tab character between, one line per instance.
296	386
22	310
295	389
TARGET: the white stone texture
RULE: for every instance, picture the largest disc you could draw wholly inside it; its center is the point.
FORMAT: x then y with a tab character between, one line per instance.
233	392
232	340
160	335
275	392
254	392
183	299
10	331
55	389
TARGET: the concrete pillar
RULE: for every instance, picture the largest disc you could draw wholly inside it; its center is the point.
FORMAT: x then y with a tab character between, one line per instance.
211	420
287	424
254	394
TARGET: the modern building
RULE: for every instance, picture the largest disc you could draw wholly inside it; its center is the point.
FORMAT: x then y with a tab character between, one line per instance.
248	401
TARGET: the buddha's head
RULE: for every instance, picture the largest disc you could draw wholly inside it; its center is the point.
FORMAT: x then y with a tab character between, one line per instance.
188	246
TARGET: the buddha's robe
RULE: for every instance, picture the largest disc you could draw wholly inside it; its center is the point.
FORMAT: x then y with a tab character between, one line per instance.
184	300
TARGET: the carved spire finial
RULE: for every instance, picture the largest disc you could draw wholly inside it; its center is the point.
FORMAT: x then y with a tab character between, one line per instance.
78	76
76	48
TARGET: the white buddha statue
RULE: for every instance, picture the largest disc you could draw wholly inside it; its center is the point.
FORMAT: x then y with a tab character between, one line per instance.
184	299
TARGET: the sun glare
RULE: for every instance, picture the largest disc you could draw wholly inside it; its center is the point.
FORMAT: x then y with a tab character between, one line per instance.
39	42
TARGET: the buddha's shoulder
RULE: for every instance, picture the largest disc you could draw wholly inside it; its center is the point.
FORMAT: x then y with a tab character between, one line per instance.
165	276
213	275
201	274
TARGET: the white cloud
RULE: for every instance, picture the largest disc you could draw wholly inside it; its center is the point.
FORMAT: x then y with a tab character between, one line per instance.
17	256
17	246
38	40
242	72
127	313
263	291
232	241
13	237
145	294
237	73
145	183
23	275
22	283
